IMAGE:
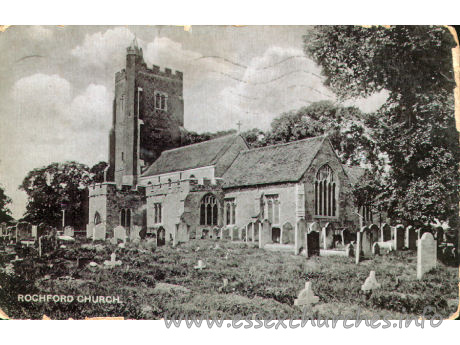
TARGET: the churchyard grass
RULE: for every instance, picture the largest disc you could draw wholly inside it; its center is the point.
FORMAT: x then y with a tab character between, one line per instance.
155	283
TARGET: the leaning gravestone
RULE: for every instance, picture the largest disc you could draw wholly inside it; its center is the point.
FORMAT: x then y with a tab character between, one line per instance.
328	236
399	237
350	250
312	243
265	235
119	233
411	238
306	296
426	254
68	231
300	231
385	232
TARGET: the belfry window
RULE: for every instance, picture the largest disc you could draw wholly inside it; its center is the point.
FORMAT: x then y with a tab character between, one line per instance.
125	218
325	192
208	210
161	101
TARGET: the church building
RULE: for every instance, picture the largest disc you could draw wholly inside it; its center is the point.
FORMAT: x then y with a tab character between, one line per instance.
156	187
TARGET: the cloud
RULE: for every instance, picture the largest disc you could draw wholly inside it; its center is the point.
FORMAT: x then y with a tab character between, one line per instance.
48	123
101	47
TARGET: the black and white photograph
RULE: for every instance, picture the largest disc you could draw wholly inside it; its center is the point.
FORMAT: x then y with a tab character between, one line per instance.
217	172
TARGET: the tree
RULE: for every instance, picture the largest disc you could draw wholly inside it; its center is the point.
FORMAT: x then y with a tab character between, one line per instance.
415	128
344	126
97	172
53	188
5	212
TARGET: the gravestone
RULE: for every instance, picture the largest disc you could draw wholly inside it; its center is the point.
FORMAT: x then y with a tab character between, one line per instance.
375	249
265	234
366	241
216	233
314	227
306	296
22	231
134	234
426	254
346	236
300	232
410	238
69	231
375	233
99	232
328	236
439	235
312	243
200	265
226	233
235	234
370	283
3	227
204	234
119	233
161	237
359	247
89	230
350	250
34	231
242	234
183	231
113	261
256	226
287	233
398	237
249	232
385	232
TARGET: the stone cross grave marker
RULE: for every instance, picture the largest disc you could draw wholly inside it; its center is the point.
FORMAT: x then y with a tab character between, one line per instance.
306	296
200	265
426	254
370	283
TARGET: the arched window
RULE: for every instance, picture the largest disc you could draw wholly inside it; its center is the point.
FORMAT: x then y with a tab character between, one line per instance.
209	210
123	217
97	218
325	192
228	210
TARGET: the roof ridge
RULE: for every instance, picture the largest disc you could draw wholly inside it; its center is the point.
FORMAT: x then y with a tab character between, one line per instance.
201	142
284	144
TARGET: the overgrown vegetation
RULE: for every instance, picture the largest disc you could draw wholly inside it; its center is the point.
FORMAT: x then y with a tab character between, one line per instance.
162	282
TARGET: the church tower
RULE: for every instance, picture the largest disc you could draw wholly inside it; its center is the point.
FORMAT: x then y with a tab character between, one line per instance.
148	117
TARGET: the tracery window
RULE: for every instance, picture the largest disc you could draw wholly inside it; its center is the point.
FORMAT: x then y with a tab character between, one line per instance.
208	210
325	192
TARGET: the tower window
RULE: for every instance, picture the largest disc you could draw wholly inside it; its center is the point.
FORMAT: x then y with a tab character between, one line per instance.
161	101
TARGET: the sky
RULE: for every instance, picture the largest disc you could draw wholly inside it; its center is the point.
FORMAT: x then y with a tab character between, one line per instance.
57	86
